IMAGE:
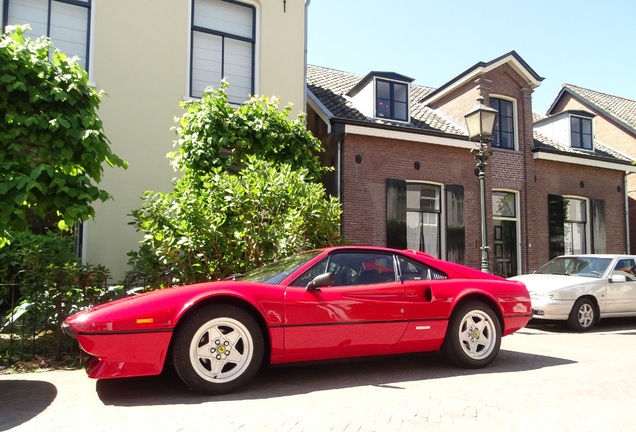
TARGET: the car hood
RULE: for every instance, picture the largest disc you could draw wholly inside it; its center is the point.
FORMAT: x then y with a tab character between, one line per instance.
544	283
161	309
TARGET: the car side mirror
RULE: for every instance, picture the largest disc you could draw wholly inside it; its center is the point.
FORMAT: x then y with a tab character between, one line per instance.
322	280
618	278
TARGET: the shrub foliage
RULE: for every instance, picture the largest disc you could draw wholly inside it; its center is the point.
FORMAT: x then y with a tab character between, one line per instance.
248	193
53	144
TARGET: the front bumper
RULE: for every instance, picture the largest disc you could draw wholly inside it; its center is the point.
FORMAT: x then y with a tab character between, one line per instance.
548	309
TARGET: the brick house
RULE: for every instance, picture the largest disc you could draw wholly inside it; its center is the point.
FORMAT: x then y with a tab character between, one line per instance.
613	120
404	172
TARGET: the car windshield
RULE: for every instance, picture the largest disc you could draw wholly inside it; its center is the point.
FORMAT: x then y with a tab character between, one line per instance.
576	266
275	272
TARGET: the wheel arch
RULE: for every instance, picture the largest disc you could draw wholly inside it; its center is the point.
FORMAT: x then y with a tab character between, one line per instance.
492	303
594	300
228	300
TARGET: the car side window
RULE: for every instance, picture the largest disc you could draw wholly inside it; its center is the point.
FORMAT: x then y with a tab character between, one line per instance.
412	270
626	267
310	274
357	268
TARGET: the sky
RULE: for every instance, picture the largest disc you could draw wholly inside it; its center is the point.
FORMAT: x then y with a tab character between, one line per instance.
586	43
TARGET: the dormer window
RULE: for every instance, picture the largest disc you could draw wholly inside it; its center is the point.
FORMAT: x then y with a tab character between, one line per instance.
391	100
581	132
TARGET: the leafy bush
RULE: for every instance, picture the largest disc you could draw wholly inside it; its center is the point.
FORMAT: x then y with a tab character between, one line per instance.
44	281
53	145
216	224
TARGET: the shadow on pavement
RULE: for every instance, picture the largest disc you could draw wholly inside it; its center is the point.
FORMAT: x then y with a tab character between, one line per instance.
622	326
301	379
21	400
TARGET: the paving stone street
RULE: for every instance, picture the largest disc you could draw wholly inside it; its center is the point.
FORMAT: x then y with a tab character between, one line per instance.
545	379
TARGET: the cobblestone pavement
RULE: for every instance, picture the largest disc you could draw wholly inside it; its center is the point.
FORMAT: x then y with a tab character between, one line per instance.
544	379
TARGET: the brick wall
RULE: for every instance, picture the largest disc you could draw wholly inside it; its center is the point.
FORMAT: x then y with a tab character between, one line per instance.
364	185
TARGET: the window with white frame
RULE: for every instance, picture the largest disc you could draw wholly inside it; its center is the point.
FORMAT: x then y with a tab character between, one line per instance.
423	210
66	22
505	219
504	134
575	226
223	43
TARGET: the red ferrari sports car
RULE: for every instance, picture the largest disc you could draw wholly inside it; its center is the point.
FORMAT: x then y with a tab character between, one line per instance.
333	303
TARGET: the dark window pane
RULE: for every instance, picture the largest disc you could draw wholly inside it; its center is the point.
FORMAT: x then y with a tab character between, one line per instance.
401	93
383	90
401	111
503	134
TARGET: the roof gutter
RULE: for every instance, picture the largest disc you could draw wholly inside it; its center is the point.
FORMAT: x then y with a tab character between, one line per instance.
578	159
388	131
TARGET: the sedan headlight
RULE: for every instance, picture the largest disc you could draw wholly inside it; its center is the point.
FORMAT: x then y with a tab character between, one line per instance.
552	295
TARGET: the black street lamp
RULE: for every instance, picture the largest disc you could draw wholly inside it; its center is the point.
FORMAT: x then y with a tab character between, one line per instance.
480	122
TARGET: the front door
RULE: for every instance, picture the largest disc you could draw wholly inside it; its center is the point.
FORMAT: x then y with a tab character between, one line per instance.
505	248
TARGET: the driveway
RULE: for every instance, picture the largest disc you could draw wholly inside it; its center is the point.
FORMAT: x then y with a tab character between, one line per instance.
545	379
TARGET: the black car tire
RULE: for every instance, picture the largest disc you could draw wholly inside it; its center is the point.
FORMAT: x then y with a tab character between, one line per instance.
583	315
473	336
218	349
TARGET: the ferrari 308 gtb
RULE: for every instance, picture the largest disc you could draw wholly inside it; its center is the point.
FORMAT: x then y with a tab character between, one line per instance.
333	303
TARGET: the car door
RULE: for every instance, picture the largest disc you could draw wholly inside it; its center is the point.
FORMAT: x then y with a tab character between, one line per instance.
364	312
621	297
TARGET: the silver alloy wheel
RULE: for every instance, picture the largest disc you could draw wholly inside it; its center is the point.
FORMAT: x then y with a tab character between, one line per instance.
477	334
221	350
586	315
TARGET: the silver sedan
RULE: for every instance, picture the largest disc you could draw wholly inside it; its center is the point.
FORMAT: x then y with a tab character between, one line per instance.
582	289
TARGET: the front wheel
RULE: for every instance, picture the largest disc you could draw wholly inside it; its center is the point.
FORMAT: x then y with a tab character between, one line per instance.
218	349
473	336
583	315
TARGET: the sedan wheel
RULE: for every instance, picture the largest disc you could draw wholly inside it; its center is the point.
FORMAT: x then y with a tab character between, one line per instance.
473	337
218	349
583	315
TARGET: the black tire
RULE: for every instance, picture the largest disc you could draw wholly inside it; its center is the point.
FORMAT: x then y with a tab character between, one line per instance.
218	349
473	336
583	315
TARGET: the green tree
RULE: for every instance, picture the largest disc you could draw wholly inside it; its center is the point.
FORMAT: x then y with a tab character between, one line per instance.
53	146
212	133
248	193
222	223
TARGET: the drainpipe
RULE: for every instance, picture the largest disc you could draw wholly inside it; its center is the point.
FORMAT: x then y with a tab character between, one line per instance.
307	3
626	195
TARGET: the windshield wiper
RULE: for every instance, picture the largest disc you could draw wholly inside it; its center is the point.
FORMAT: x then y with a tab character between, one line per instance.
234	276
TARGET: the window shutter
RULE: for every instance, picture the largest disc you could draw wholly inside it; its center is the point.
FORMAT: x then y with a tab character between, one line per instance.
599	239
556	221
455	228
396	213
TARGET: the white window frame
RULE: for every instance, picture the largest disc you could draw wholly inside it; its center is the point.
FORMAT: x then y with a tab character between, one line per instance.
588	232
256	13
515	118
88	4
516	219
442	212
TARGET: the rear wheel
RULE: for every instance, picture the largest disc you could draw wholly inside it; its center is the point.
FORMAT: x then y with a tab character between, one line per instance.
473	336
583	315
218	349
